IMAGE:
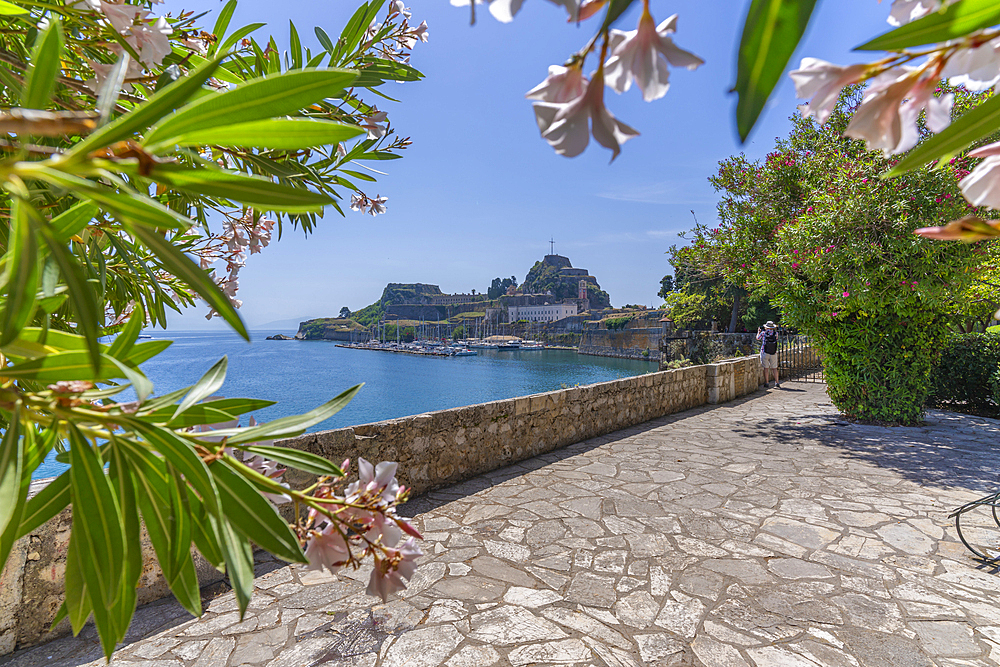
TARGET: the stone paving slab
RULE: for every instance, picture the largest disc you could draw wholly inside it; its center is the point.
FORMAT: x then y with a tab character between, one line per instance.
765	532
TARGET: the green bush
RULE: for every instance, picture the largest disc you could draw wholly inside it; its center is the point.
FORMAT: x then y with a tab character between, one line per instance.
967	371
878	368
995	386
618	323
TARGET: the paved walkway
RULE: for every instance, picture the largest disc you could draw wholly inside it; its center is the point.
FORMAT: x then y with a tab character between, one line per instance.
765	532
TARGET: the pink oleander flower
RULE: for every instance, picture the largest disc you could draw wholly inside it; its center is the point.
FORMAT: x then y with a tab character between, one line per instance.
71	386
642	54
380	478
821	82
389	572
383	528
904	11
846	294
327	548
567	127
562	85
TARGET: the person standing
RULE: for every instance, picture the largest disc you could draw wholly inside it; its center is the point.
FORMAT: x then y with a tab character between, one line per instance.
768	337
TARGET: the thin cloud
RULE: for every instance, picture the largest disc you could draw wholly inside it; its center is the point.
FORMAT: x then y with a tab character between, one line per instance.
686	192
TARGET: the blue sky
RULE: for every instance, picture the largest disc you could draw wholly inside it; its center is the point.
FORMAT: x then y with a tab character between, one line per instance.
479	194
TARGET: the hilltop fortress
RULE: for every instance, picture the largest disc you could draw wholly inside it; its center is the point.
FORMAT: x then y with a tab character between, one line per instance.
553	292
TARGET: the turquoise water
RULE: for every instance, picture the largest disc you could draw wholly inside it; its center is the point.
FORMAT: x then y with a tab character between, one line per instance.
300	375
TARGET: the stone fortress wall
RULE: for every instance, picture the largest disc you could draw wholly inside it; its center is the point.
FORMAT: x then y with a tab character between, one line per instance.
433	450
624	344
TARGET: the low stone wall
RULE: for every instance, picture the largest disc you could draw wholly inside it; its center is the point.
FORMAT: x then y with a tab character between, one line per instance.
433	450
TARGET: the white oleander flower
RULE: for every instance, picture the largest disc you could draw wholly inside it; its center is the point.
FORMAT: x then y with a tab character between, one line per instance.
821	82
505	10
904	11
563	84
120	15
151	41
921	98
377	205
642	54
976	69
877	119
982	186
567	127
359	203
370	123
402	8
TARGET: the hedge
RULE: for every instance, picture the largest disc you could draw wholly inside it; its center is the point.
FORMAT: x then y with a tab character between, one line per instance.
967	371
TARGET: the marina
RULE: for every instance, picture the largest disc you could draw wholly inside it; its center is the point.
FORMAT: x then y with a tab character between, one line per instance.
443	348
421	347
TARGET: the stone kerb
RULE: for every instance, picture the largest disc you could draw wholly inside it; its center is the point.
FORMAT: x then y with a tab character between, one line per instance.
433	450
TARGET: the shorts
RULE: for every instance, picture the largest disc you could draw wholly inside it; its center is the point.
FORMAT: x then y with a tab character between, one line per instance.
769	360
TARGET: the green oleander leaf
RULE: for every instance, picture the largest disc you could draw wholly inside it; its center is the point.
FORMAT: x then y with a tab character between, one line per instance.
771	32
209	383
266	97
43	74
968	128
278	133
259	520
295	458
951	22
287	427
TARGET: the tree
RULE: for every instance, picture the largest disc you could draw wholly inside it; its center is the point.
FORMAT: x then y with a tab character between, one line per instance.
409	334
666	286
458	332
125	161
500	286
816	227
345	312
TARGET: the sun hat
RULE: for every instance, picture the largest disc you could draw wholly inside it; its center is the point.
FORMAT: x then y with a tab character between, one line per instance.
770	325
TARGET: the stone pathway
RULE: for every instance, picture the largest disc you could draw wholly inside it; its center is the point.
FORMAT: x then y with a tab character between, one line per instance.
765	532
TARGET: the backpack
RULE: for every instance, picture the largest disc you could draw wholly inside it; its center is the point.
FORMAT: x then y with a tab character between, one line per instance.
770	342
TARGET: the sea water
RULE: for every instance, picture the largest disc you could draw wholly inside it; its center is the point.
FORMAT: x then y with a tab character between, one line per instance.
301	375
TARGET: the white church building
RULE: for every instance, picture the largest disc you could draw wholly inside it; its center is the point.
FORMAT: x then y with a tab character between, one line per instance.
549	312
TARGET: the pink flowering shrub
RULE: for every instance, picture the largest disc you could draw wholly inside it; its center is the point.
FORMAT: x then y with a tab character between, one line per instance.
817	229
